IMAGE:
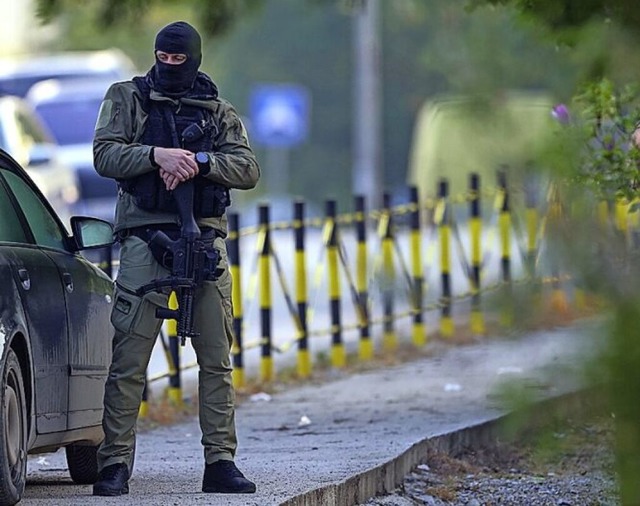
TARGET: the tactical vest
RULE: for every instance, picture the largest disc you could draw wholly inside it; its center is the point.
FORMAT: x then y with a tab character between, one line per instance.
176	126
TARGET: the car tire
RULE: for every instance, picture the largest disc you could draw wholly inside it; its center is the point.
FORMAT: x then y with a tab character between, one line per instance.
83	463
13	432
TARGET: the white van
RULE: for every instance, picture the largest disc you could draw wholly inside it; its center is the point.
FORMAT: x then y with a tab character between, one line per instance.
457	135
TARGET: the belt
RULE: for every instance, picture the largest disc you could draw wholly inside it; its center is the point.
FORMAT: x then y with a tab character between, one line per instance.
171	229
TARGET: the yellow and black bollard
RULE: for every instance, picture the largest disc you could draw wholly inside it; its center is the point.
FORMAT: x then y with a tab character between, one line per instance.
304	357
366	343
338	352
559	302
143	410
533	228
603	212
622	219
443	222
389	338
532	224
417	272
233	243
475	229
264	273
634	225
504	227
174	392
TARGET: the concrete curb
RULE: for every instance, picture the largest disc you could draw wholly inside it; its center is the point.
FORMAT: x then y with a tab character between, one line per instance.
383	479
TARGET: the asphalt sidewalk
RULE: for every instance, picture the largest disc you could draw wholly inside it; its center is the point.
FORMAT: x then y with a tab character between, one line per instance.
342	441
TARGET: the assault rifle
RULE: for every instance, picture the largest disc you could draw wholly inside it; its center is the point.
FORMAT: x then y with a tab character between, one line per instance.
191	263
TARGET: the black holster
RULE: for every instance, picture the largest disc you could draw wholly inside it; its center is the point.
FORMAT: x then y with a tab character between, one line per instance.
162	243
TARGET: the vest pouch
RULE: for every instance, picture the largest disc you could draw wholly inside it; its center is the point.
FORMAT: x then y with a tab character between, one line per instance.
166	202
163	254
134	315
144	189
211	200
146	202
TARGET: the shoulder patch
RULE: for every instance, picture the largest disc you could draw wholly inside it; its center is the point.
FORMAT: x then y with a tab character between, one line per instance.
244	134
104	116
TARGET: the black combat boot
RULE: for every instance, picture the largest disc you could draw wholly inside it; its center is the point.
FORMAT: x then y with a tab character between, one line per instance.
112	480
224	477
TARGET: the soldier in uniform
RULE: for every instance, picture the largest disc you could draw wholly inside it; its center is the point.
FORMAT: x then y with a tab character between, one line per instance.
154	133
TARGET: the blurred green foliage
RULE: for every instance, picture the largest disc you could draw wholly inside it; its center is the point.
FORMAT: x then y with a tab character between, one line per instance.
597	172
593	149
595	163
216	17
566	16
611	162
622	366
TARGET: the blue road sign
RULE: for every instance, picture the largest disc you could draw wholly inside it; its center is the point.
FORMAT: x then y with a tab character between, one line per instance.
279	114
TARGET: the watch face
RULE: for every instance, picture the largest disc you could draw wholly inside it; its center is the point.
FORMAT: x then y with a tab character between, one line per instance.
202	157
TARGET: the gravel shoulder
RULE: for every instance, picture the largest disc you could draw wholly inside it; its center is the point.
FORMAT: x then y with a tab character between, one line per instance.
567	461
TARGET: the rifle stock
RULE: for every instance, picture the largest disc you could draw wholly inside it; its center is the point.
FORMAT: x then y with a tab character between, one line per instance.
183	195
189	233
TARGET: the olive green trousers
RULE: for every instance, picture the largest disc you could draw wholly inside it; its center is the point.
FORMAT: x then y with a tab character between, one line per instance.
136	330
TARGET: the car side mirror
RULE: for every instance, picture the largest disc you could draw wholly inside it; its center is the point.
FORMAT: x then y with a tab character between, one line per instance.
90	233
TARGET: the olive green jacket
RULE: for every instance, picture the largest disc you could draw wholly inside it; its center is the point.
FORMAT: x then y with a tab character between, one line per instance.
118	153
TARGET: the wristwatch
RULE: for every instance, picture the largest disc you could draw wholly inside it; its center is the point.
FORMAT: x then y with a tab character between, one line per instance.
204	162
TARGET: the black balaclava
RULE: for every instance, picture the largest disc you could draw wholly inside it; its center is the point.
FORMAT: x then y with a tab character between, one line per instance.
177	38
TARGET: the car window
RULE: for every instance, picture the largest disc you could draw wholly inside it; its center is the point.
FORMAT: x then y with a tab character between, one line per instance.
45	228
10	226
30	130
72	121
17	86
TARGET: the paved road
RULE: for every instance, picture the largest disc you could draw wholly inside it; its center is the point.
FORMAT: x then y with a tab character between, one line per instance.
356	423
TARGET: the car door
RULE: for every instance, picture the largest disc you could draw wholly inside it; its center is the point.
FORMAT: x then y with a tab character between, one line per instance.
87	300
42	295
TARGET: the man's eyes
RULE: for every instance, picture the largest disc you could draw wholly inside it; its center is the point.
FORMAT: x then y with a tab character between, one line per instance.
179	58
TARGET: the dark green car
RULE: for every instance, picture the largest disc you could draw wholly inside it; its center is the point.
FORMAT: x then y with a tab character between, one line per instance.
55	333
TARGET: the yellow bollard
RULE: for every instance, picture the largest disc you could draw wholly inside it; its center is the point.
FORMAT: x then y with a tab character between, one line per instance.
233	242
476	321
443	221
338	352
264	273
304	357
366	349
419	330
389	339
